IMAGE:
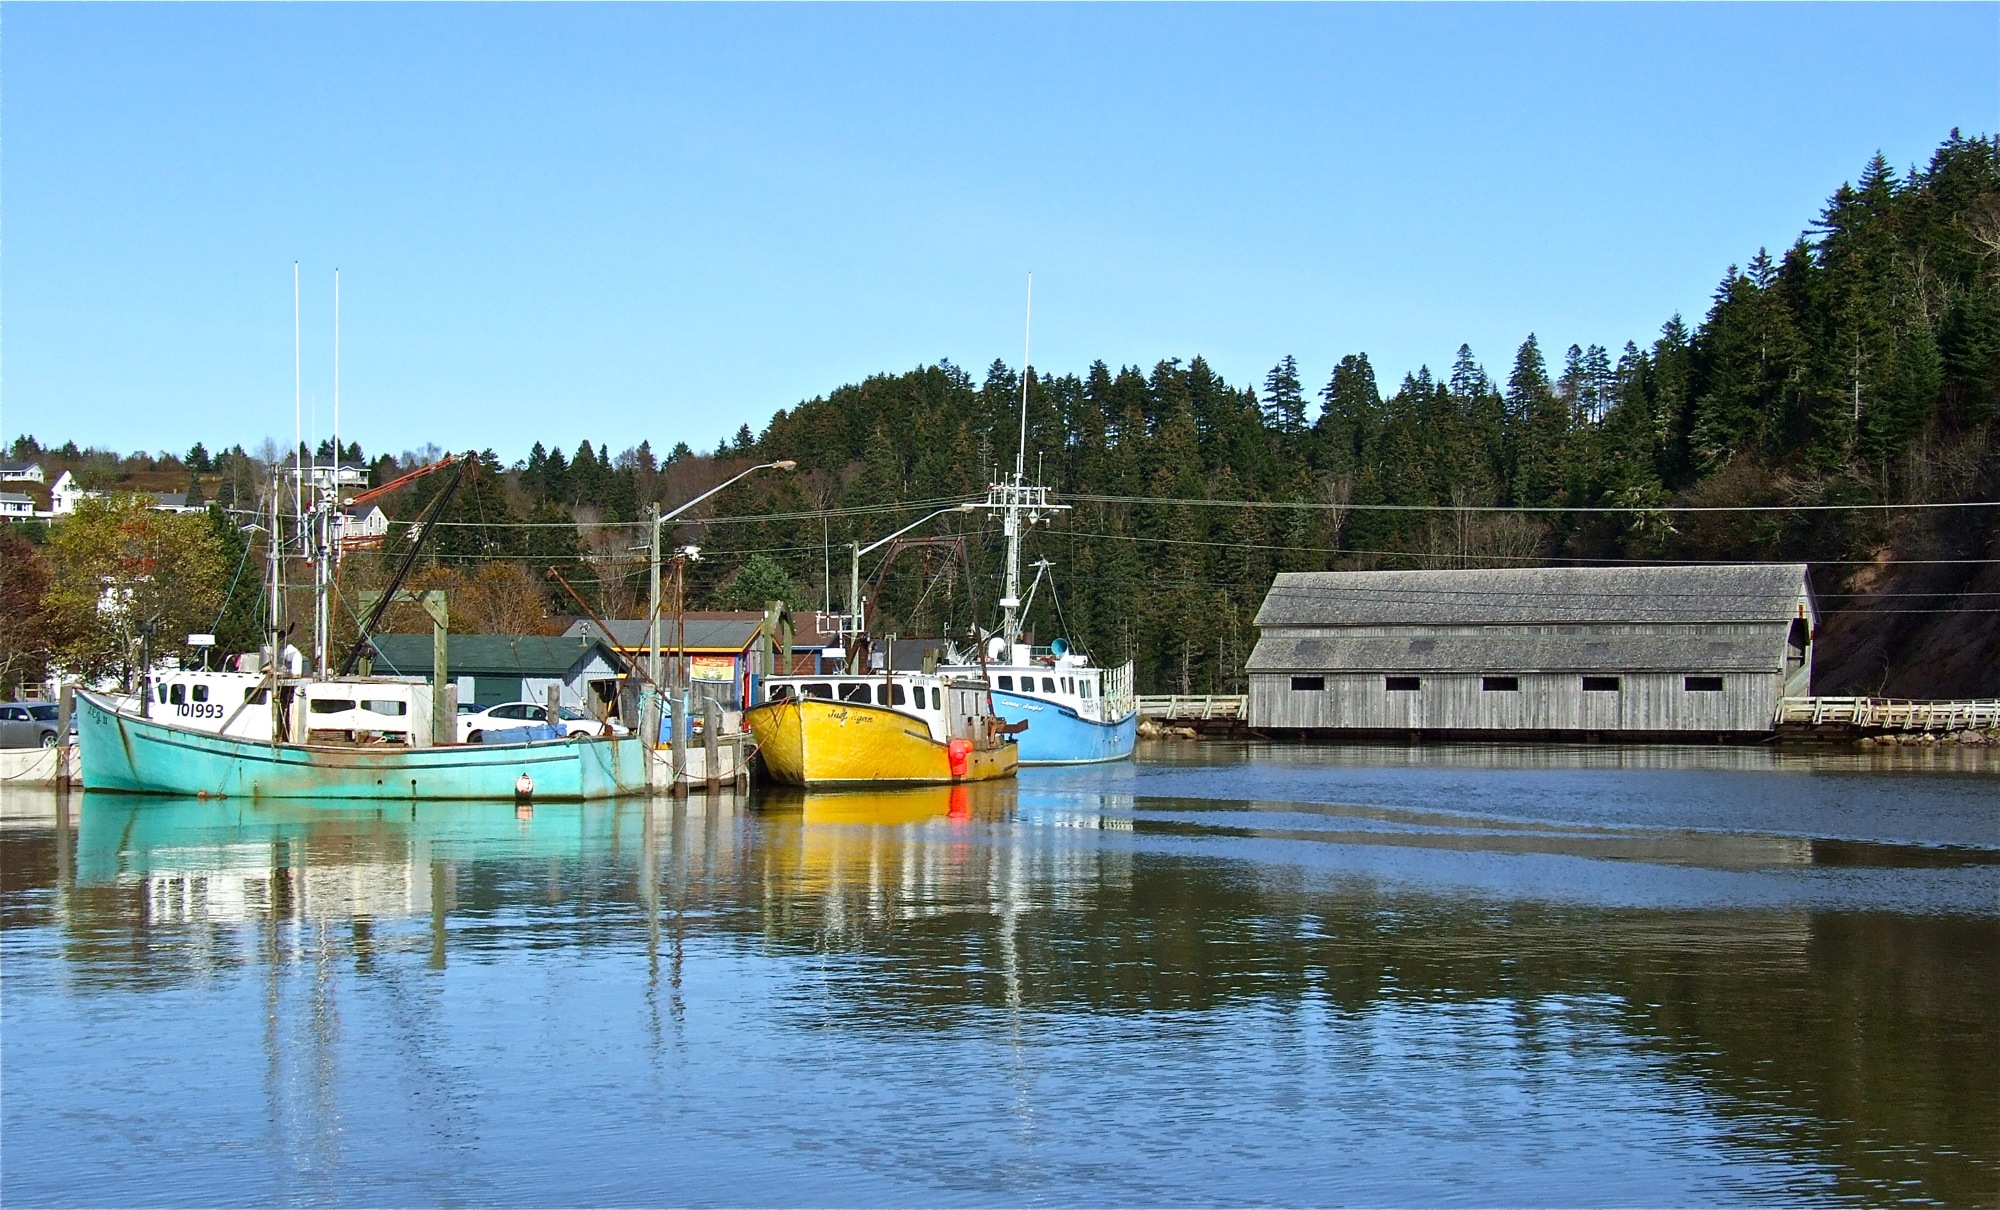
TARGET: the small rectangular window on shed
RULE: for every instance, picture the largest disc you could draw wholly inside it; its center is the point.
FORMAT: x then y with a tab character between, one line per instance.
1304	684
1702	684
1402	684
1500	684
1600	684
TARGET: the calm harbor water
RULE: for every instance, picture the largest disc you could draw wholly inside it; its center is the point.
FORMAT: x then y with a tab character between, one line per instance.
1241	974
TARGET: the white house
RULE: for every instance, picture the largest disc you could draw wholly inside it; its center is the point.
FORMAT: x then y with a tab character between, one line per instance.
64	494
361	532
16	507
20	472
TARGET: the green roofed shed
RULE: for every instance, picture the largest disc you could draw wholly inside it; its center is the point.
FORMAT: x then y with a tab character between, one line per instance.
493	668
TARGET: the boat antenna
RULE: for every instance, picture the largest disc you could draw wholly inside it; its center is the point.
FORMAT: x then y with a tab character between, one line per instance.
323	511
1017	503
298	407
1027	337
336	381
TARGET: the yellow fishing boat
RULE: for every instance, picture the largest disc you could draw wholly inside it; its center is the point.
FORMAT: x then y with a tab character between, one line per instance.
907	727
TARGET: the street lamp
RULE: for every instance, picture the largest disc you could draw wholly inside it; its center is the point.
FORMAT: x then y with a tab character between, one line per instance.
653	614
854	569
651	718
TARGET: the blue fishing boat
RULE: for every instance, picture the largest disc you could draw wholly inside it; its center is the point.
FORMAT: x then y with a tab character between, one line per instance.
1077	714
1059	733
130	754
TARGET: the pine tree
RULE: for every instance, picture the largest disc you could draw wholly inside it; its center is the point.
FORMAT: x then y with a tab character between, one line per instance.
1284	402
1349	416
1749	362
534	476
1542	424
1855	288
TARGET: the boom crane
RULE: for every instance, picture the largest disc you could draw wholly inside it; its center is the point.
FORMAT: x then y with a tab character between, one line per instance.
424	528
376	493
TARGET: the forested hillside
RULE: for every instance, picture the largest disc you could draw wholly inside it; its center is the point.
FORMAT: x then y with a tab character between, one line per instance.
1860	366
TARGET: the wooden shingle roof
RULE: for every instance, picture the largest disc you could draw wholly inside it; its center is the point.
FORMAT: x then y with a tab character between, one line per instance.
1677	650
1761	592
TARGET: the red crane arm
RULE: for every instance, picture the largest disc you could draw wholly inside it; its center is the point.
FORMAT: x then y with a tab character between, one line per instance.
376	493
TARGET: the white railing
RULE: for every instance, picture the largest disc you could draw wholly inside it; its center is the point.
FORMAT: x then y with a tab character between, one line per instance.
1889	714
1118	699
1201	707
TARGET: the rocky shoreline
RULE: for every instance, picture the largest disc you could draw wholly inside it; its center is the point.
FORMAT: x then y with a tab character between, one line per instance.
1968	739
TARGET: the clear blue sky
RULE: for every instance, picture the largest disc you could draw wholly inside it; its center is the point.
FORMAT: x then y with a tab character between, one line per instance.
662	222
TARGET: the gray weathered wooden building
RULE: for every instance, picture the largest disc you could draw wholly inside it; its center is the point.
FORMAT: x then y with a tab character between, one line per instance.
1539	651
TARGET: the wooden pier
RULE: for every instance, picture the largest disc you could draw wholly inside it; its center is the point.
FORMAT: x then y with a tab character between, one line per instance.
1196	707
1189	714
1873	715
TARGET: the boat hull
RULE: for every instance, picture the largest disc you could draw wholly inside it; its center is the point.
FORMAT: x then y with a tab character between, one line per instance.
124	754
812	742
1057	735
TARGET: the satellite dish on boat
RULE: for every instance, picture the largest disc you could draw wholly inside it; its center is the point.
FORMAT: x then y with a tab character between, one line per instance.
1058	647
996	647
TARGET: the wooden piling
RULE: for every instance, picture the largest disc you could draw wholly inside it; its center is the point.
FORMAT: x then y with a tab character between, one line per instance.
711	717
65	711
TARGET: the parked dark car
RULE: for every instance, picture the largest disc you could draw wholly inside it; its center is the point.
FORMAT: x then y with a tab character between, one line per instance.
28	725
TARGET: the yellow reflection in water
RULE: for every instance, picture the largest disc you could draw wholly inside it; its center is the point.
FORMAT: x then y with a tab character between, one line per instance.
918	804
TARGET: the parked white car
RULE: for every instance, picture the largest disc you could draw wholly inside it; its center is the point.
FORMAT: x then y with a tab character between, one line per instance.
509	715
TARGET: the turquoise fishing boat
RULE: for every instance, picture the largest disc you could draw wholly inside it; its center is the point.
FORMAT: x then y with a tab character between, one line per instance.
128	754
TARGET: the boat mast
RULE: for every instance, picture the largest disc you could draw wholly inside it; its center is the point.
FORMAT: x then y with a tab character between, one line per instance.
298	407
1010	601
1018	503
275	613
323	512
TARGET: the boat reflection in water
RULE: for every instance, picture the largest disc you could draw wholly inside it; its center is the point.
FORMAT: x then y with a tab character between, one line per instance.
916	804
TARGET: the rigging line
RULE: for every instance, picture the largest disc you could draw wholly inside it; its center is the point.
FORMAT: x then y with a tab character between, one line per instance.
1056	598
1518	508
233	582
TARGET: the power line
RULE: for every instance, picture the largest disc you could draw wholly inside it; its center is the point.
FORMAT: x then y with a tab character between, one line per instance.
1536	559
1515	508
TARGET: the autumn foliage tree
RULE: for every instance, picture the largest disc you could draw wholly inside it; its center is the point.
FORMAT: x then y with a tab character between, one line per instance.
116	563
